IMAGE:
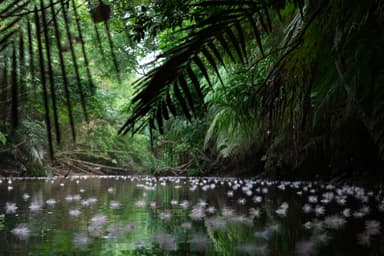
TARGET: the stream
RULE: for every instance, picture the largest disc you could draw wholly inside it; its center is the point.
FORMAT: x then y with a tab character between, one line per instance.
145	215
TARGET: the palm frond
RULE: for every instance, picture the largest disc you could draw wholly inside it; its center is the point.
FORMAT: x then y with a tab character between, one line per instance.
222	33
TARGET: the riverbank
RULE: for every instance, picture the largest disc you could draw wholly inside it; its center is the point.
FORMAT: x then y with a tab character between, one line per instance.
246	166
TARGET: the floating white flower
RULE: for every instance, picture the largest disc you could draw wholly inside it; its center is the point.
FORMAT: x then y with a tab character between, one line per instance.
10	208
254	212
21	231
51	202
228	212
211	210
140	203
35	206
74	212
184	204
282	211
26	196
307	208
334	222
92	200
114	205
312	199
186	225
165	215
308	225
347	212
241	201
215	223
69	198
257	199
197	213
99	219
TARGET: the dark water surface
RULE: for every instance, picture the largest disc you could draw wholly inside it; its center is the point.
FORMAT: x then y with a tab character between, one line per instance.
119	215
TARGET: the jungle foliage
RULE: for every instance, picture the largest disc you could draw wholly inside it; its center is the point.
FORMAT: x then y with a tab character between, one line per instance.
275	85
296	84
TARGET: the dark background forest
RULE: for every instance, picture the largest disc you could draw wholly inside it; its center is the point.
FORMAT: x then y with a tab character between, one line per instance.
275	88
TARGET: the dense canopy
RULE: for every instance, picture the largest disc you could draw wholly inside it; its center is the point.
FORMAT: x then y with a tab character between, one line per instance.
256	85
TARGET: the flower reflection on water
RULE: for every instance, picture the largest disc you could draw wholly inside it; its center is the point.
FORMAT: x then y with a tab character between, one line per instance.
211	216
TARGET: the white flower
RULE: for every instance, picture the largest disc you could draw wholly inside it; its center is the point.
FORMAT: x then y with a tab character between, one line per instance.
308	225
307	208
99	220
215	223
92	200
197	213
334	222
153	204
74	212
184	204
140	203
69	198
312	199
186	225
211	210
165	215
282	211
254	212
35	206
228	212
84	203
257	199
341	200
51	202
241	201
114	205
347	212
319	210
21	231
10	208
26	196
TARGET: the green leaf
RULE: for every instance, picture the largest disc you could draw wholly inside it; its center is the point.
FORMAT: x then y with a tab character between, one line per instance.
3	139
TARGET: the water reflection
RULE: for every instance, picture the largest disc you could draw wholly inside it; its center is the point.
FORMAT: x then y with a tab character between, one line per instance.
124	215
